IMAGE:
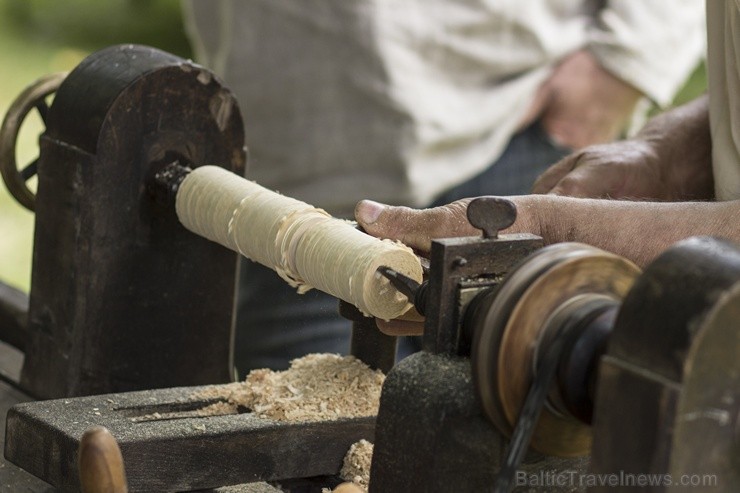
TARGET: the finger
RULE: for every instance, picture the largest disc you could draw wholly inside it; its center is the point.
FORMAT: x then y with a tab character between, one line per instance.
550	178
400	327
414	227
585	183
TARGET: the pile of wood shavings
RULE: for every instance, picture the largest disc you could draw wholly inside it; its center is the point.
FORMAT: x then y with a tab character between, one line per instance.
316	387
356	466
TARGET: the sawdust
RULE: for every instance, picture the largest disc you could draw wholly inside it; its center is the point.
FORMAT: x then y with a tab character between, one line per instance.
356	466
220	408
260	487
316	387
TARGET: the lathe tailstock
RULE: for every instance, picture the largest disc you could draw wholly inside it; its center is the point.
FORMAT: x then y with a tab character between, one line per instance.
544	368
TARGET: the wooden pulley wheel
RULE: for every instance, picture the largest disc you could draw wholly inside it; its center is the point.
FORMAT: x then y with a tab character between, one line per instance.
511	328
490	320
34	96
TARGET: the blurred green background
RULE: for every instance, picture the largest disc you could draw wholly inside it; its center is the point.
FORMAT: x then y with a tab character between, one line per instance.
38	37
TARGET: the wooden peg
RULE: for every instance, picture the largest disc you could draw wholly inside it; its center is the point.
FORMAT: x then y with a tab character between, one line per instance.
100	462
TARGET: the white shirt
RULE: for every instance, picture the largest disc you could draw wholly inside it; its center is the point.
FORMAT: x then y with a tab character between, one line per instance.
723	67
399	100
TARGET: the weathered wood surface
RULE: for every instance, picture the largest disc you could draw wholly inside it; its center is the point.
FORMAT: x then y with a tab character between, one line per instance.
177	451
13	316
12	478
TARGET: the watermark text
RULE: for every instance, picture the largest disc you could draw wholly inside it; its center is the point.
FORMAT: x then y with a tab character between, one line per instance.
621	479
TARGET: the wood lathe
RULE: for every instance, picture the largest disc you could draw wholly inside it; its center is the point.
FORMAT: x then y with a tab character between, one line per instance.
542	368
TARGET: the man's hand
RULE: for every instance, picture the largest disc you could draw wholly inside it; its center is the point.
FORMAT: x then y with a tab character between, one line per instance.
626	169
582	103
668	160
417	228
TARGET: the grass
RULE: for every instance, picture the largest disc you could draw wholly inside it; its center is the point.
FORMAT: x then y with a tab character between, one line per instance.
38	37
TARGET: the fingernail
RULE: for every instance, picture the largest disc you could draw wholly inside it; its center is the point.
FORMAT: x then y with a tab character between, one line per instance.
368	211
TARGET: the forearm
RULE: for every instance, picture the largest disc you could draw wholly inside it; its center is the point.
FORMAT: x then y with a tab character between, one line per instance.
636	230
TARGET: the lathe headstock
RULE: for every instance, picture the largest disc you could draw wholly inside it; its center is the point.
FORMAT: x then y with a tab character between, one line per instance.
118	299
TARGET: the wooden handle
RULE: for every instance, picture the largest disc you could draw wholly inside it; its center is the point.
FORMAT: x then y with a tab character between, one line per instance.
100	463
303	244
348	488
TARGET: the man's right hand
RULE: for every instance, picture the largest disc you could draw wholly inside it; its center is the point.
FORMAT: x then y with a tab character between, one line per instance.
416	228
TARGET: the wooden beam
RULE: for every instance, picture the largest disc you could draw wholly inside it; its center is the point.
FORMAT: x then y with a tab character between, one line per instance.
167	447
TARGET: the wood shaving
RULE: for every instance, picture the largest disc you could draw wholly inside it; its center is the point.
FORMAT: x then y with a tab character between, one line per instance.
316	387
356	466
260	487
220	408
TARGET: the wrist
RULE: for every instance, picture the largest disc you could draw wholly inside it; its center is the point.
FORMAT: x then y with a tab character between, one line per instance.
551	219
532	215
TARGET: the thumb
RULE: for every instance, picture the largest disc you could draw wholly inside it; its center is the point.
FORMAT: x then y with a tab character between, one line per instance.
414	227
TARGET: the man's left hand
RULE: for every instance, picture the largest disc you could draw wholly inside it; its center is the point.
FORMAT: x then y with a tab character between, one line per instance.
582	103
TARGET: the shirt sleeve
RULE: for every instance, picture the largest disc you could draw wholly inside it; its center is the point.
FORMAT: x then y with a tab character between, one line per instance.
650	44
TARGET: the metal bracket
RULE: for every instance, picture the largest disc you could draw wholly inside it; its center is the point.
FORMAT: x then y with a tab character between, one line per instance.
475	262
